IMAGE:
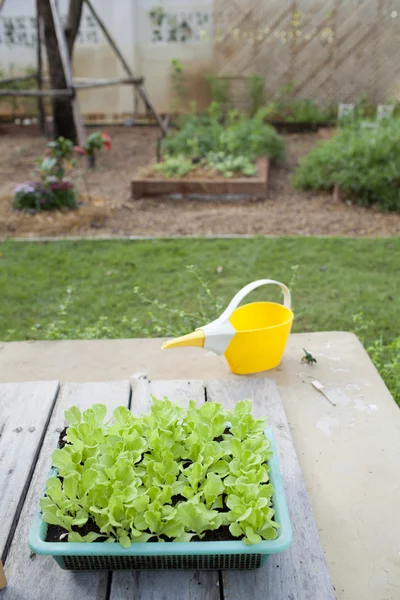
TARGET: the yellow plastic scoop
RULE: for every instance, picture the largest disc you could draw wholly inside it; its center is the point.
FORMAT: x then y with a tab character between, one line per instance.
252	337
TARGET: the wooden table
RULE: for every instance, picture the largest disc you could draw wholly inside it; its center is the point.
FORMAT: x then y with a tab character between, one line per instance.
31	417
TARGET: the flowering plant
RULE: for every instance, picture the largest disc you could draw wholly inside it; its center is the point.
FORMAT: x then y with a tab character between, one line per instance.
55	195
95	141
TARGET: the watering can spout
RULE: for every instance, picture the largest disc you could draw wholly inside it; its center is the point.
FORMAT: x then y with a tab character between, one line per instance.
191	339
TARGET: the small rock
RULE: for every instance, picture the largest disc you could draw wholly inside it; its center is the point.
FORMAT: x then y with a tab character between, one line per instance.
323	268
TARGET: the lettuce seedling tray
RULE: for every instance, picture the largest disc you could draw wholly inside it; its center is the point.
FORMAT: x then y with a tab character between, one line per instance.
98	556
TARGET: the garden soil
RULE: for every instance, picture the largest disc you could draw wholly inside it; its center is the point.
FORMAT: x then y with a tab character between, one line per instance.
110	211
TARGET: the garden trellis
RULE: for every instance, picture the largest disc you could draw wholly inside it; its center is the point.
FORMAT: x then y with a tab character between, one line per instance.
73	85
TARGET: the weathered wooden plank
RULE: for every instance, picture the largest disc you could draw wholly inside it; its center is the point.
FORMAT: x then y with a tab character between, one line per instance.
29	576
300	573
165	585
24	412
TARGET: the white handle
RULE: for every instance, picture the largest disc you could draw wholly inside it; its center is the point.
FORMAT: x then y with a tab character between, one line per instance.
236	300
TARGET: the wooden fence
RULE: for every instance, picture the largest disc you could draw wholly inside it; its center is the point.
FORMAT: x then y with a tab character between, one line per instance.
333	50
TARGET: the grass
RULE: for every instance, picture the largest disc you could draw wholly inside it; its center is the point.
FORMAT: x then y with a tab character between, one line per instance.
335	279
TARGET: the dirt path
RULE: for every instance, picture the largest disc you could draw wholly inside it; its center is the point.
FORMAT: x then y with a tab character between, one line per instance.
111	212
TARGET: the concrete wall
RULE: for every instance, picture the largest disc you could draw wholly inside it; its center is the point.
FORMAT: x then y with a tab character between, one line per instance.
149	32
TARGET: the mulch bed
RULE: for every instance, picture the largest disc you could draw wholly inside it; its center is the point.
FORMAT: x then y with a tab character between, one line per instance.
112	212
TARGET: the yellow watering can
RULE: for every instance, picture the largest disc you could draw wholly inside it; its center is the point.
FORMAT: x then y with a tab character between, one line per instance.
252	337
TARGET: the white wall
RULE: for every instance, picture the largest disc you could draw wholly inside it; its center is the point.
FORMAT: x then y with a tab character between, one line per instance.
185	33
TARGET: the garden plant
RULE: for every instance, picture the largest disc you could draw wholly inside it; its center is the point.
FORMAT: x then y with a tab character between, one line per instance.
218	143
55	191
363	162
175	474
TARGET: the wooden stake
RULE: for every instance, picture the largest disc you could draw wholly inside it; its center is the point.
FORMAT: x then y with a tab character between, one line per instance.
3	580
65	59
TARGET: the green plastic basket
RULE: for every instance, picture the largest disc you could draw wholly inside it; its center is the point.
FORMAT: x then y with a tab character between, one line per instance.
97	556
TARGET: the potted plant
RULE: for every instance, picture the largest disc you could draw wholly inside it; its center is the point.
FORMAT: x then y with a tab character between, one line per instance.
177	488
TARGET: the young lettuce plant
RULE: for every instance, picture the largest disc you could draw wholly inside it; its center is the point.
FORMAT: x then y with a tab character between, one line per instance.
170	475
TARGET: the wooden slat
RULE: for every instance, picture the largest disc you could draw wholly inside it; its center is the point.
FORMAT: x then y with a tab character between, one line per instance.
24	412
300	573
165	585
32	577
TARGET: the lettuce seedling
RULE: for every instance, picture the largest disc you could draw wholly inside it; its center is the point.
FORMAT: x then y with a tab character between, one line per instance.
171	474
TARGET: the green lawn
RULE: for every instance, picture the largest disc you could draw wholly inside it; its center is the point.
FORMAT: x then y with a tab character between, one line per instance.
335	279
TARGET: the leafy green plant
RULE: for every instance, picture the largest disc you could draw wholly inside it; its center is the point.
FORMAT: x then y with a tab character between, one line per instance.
170	475
213	139
174	166
220	90
229	164
256	90
364	163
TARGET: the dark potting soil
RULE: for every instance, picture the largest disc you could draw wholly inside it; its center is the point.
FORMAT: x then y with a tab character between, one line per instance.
61	441
55	531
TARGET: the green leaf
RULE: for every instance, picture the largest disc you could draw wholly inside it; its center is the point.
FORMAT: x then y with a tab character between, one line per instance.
62	460
95	415
70	485
123	415
73	415
125	541
251	537
235	529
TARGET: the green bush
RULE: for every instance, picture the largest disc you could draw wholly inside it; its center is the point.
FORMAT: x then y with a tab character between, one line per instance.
364	163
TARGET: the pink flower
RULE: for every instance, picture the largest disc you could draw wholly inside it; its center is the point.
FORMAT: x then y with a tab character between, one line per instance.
80	150
107	140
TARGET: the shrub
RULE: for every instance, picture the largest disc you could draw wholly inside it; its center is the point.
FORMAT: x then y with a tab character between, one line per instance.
364	163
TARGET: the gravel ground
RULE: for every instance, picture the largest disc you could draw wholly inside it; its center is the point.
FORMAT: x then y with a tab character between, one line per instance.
111	211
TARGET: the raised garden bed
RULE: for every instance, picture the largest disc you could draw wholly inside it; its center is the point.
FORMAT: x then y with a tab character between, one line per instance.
204	186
